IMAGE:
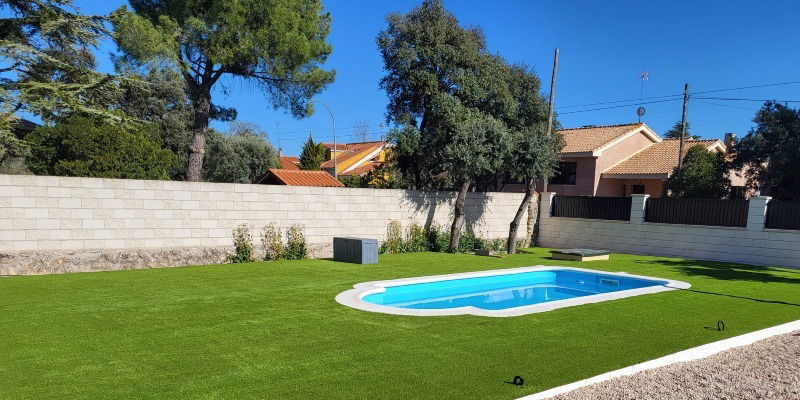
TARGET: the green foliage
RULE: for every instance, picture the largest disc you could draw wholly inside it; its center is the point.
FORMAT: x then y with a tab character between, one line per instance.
296	248
240	156
469	242
438	238
394	239
13	153
277	45
312	155
769	153
242	244
47	63
704	175
675	132
272	243
82	146
416	239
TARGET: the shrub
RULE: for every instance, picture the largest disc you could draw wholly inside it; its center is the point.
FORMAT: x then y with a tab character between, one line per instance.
394	239
243	245
494	244
438	238
469	242
416	239
295	244
272	243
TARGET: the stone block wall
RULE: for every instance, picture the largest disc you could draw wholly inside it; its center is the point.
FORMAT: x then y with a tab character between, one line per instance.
62	224
750	245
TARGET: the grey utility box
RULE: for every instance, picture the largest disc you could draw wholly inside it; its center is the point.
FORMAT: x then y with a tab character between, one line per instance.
355	250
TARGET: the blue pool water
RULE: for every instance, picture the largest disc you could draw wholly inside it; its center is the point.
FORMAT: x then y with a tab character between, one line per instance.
499	292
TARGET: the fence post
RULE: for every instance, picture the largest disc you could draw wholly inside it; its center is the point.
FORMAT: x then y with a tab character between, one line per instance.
638	203
757	213
546	206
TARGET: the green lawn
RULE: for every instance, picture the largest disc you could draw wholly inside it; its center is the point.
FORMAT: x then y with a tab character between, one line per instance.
273	330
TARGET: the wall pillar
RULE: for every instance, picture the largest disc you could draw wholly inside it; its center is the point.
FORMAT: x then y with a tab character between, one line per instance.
757	213
638	204
546	206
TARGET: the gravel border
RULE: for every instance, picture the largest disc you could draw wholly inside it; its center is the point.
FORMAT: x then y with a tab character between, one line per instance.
767	369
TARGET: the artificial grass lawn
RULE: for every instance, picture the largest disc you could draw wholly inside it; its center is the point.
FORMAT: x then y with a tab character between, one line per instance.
273	330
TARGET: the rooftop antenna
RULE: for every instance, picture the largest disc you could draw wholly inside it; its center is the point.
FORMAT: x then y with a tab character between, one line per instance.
640	111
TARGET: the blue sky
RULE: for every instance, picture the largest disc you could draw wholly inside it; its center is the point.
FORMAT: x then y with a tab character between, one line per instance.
604	45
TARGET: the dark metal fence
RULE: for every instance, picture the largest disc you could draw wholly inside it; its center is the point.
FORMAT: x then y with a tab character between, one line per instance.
613	208
783	214
697	211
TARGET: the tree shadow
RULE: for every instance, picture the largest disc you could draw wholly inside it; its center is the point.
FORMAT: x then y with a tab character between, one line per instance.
742	297
727	270
434	203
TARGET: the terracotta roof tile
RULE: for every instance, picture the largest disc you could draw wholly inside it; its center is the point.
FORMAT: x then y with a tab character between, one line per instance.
290	163
658	158
304	178
591	138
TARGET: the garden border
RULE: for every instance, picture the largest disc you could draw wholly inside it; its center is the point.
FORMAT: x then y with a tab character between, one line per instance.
694	353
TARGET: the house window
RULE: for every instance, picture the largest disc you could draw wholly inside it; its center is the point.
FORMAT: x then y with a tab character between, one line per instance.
637	189
566	174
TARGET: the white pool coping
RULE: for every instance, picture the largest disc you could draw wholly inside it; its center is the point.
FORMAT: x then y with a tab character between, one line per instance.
354	297
695	353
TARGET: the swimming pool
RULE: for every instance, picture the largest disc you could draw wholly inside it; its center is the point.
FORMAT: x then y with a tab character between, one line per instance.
500	293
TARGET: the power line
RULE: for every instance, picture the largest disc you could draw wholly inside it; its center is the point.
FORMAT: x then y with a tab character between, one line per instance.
619	106
726	105
740	99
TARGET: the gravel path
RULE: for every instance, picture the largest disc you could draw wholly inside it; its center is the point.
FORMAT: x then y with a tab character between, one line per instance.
768	369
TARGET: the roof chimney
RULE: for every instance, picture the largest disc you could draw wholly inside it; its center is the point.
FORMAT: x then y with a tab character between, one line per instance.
280	152
730	140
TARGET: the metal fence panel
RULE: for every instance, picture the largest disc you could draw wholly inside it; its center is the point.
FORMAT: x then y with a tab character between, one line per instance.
697	211
612	208
783	215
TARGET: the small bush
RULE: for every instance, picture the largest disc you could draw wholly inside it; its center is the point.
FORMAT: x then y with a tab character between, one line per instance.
469	242
494	244
295	244
416	239
394	239
243	245
272	243
438	238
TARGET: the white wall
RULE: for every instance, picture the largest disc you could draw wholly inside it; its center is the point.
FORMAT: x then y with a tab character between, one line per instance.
751	245
45	213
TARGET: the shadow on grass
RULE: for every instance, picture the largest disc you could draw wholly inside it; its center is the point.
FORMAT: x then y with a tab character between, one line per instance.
727	271
742	297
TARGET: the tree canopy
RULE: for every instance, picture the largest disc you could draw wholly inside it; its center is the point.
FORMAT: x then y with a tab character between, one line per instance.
448	97
277	45
239	156
704	175
90	146
312	155
769	153
675	132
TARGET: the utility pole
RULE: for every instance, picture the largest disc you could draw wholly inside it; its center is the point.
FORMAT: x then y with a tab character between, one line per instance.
551	105
683	134
333	120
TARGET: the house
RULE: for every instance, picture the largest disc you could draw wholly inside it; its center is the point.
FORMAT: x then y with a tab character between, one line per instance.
354	159
288	177
618	160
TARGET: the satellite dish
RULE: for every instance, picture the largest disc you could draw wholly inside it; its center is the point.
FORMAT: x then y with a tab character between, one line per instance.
640	112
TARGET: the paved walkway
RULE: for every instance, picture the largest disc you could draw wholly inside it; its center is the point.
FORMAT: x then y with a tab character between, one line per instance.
768	369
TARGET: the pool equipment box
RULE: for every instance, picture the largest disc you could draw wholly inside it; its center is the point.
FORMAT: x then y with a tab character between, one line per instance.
580	254
355	250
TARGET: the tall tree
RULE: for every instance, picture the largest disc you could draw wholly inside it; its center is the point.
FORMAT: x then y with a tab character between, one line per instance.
312	155
704	175
239	156
532	154
46	65
278	45
769	153
675	132
443	95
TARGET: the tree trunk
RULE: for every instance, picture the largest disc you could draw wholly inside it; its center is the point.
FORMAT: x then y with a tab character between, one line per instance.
197	150
511	244
458	216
